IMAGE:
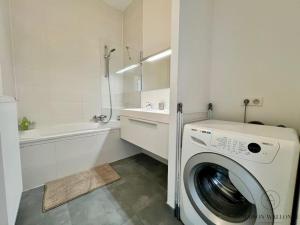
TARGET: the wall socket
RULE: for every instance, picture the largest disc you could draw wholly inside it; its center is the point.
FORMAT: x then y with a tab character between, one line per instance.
254	101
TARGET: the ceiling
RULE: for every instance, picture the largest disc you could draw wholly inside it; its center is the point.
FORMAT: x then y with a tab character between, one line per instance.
118	4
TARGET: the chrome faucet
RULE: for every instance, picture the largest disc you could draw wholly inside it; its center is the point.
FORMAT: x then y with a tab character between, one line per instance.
149	106
100	118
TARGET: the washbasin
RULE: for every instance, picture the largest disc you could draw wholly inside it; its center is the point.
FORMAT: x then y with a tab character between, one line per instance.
156	115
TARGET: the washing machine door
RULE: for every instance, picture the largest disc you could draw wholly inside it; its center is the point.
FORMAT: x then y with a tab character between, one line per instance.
224	192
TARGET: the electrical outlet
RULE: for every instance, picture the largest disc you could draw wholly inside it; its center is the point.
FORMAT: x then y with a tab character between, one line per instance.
254	101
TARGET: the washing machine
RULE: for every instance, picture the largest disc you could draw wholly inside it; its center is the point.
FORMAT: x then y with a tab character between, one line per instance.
237	174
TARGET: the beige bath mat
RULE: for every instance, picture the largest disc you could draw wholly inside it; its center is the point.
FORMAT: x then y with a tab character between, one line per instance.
61	191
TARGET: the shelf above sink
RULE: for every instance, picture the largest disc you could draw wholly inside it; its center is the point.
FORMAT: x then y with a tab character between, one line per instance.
161	116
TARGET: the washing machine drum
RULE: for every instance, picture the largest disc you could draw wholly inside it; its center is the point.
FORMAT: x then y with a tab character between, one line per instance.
224	192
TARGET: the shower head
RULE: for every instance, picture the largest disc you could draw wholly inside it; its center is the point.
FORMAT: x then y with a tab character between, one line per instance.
111	51
108	52
107	59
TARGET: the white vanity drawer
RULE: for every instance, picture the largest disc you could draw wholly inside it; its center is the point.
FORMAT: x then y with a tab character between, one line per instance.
149	135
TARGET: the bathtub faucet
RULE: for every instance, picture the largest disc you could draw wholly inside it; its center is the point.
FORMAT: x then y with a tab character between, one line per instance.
100	118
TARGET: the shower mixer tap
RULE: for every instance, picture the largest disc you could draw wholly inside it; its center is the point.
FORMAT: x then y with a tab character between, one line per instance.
149	106
100	118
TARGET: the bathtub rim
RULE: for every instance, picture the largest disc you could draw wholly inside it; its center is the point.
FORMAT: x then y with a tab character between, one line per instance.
65	136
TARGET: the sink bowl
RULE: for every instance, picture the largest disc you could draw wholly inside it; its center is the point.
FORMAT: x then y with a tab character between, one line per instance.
156	115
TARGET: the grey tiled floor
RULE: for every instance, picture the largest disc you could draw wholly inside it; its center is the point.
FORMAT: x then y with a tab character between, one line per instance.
138	198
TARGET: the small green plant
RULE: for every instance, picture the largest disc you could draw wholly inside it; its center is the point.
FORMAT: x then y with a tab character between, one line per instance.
25	124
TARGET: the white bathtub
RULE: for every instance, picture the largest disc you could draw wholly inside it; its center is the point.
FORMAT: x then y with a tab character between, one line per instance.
58	151
65	130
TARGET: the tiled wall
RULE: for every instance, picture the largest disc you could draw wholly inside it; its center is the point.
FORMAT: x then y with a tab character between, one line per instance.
155	97
59	65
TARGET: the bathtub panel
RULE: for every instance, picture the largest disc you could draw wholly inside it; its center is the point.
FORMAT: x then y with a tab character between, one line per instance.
38	164
76	155
45	161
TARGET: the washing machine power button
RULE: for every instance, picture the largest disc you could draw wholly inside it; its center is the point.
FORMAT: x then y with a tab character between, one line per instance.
254	147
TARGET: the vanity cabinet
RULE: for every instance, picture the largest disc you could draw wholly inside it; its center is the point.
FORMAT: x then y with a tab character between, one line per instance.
149	135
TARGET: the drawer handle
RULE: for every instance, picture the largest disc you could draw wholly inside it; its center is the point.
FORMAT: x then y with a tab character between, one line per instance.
143	121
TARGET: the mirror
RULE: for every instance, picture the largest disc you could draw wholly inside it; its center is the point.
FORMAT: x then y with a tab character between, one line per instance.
156	74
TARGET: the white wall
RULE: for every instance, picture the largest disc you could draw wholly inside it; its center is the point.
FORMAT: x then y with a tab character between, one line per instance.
194	55
256	53
7	82
59	61
190	69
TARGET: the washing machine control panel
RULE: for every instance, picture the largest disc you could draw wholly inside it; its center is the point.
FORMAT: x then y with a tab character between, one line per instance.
257	149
